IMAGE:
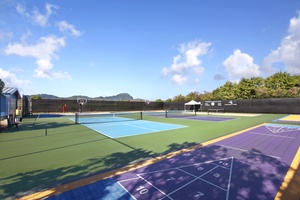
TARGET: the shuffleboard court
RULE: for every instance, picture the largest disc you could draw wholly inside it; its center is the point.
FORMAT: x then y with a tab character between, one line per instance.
131	128
250	164
289	118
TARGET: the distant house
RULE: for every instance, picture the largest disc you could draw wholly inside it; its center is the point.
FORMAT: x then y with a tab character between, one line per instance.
9	101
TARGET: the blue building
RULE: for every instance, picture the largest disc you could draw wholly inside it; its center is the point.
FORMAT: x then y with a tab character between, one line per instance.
8	102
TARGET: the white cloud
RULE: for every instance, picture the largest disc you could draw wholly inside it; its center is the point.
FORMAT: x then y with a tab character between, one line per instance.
179	79
240	65
187	61
35	16
288	52
11	80
44	51
67	28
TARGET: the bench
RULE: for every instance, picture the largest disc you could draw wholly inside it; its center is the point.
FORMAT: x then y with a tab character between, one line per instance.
215	110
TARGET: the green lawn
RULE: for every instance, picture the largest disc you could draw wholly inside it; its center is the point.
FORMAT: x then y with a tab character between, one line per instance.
30	160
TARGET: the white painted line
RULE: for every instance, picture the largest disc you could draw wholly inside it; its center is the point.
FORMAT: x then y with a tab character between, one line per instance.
130	179
212	184
127	191
272	135
154	187
280	129
141	127
276	157
183	186
229	179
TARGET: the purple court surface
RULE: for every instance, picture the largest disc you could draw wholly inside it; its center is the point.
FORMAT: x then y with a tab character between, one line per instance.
250	165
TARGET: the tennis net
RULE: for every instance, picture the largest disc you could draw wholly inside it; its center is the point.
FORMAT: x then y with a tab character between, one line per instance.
89	118
179	114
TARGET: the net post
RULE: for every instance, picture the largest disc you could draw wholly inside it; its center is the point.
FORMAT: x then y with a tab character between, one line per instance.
141	115
166	114
76	118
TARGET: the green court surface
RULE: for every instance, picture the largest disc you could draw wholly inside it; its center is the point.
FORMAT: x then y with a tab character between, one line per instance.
45	152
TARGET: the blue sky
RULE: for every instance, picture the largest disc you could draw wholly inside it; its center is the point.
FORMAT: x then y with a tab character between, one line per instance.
151	49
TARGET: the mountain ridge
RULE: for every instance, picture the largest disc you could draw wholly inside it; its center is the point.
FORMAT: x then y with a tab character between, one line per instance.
118	97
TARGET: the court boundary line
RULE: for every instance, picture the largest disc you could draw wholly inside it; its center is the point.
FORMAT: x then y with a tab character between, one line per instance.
152	186
203	120
244	150
127	123
270	135
91	179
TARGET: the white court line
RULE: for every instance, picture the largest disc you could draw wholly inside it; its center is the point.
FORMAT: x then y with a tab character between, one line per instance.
229	147
212	184
196	177
130	179
272	135
192	175
154	187
280	128
229	179
127	191
294	128
141	127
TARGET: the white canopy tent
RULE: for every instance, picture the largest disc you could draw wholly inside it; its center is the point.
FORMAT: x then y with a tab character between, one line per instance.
192	103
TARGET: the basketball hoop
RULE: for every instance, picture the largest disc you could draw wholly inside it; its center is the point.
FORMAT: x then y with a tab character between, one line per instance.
146	104
81	102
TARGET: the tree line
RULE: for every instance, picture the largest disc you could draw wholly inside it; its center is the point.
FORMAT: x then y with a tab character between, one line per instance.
279	85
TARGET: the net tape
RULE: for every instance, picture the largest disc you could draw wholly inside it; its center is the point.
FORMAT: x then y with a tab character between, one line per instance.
89	118
178	114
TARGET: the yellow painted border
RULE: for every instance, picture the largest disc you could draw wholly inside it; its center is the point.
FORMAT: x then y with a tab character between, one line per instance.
95	178
290	187
295	118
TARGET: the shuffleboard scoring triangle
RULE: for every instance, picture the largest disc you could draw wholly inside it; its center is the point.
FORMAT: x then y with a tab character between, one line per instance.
280	128
198	180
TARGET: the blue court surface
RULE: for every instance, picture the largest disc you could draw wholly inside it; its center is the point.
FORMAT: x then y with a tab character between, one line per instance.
130	128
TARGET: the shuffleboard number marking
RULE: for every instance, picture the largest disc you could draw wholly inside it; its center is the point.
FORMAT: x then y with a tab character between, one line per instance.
142	190
223	163
199	194
200	168
171	179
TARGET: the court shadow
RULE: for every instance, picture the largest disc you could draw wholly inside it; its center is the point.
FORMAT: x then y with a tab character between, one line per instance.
247	175
176	147
37	126
253	175
39	180
120	159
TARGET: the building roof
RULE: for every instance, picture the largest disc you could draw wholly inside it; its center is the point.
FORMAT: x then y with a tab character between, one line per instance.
11	91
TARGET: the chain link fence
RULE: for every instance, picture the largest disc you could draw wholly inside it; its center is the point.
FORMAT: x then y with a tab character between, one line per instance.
280	105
